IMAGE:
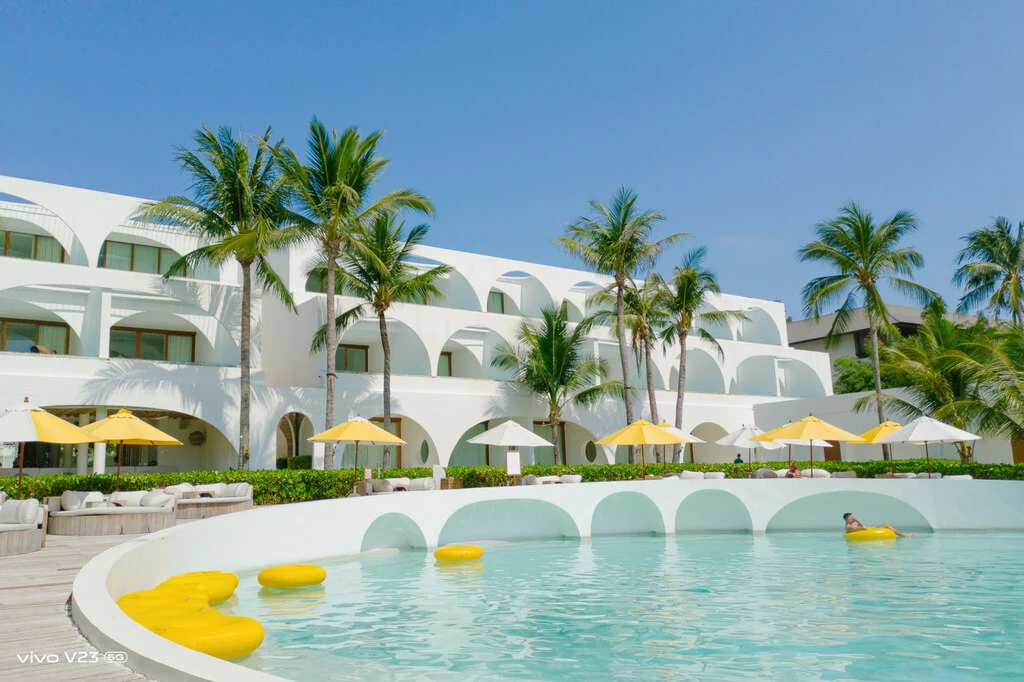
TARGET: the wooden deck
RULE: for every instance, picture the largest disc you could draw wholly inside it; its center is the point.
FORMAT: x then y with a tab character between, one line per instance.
34	591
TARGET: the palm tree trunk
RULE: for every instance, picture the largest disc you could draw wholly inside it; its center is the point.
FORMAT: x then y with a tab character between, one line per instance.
680	387
244	387
386	345
649	363
620	328
876	368
332	349
553	418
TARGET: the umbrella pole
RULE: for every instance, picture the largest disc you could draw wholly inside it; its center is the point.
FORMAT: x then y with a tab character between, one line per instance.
643	464
892	462
664	458
21	465
355	468
928	460
117	481
810	446
789	455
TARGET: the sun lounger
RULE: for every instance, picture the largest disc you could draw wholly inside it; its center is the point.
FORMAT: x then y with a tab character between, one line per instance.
766	473
934	474
570	478
122	513
815	473
904	474
22	526
717	475
958	477
212	499
844	474
688	475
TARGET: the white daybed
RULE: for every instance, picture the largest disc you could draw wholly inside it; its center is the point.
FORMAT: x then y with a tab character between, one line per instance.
212	499
122	513
22	526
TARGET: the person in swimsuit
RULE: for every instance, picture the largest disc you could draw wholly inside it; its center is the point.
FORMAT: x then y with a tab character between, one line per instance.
793	472
853	523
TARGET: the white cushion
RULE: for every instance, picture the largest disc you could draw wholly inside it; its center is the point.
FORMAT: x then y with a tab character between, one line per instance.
17	526
571	478
211	489
421	484
179	489
960	477
934	474
766	473
242	489
73	500
844	474
714	474
815	473
906	475
19	511
128	498
156	498
381	485
398	483
549	479
530	479
688	475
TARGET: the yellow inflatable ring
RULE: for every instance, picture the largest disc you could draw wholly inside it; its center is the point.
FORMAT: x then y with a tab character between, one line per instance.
218	588
170	619
147	600
292	575
870	534
212	574
458	553
227	637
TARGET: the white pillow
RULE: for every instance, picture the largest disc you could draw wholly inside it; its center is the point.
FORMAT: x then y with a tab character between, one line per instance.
128	498
571	478
242	489
212	489
19	511
381	485
399	482
714	474
421	484
530	479
688	475
73	500
156	498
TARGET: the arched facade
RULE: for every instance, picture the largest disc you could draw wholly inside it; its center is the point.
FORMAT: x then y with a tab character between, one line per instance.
759	327
756	376
709	450
799	380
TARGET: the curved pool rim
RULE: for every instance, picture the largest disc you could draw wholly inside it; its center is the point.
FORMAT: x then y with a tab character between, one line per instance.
310	531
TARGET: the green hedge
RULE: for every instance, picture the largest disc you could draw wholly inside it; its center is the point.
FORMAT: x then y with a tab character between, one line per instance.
300	462
297	485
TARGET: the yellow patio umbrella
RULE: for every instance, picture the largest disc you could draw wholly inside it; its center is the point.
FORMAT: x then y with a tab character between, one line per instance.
878	433
807	430
124	428
642	432
357	430
26	423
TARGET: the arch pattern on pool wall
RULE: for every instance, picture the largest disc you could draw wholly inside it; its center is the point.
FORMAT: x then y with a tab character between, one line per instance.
393	531
626	512
872	508
713	511
507	520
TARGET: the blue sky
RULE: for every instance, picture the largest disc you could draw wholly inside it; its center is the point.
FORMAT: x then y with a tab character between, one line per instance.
744	123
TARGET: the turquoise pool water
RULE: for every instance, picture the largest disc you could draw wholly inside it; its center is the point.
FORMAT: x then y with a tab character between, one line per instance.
709	607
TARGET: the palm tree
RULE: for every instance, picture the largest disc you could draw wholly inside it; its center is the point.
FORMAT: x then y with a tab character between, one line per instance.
995	360
332	199
929	364
645	317
992	270
864	255
614	241
237	208
685	299
549	361
377	269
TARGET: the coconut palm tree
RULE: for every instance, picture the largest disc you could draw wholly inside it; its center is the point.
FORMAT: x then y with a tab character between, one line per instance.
237	209
929	364
331	192
992	270
864	255
995	360
685	299
377	269
645	318
549	360
614	241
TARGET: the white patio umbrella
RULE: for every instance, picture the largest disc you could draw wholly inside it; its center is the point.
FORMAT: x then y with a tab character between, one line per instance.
510	434
925	430
25	423
690	440
741	438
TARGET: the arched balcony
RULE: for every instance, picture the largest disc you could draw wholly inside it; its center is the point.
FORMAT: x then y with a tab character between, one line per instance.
360	349
756	376
799	380
759	327
703	375
518	293
467	353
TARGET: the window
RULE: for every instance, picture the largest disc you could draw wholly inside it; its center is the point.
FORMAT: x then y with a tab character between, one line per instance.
151	344
444	364
862	344
31	247
27	336
495	302
138	258
352	358
591	451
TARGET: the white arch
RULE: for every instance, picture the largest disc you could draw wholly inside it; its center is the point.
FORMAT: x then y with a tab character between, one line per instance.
40	219
799	380
759	327
756	376
703	373
472	348
408	351
15	303
527	291
207	344
709	451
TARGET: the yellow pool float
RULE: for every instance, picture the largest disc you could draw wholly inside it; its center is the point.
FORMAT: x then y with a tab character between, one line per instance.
226	637
870	534
292	575
458	553
231	577
218	588
147	600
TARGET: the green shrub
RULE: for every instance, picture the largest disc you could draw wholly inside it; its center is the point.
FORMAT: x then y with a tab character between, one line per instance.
282	463
272	486
300	462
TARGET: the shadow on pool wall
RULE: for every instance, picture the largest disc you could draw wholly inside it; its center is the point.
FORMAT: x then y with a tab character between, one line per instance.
393	531
807	513
507	520
626	513
714	511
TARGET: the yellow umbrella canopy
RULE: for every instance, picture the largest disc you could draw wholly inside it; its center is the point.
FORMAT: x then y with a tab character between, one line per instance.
809	428
26	423
124	428
357	430
642	432
879	432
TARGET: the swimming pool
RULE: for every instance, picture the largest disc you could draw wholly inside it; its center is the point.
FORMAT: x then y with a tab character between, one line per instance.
944	606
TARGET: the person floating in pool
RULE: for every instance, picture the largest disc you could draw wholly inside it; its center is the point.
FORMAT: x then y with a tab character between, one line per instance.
853	523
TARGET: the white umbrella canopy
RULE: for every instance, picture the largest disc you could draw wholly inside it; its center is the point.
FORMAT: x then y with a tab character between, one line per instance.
741	438
510	434
925	430
794	441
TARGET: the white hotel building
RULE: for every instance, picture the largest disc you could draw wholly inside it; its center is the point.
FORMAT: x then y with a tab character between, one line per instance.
88	325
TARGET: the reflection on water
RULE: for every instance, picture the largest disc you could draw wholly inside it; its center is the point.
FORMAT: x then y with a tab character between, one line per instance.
723	607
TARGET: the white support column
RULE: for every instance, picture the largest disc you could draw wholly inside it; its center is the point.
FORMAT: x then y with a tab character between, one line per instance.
82	464
99	450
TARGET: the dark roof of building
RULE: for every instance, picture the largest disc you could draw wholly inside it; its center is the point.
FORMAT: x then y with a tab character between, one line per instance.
810	329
